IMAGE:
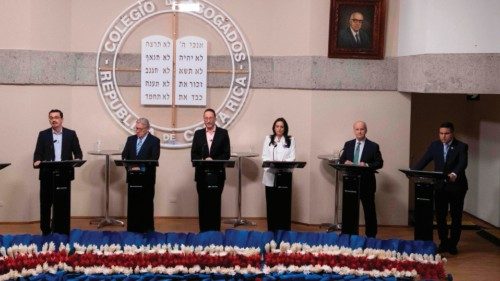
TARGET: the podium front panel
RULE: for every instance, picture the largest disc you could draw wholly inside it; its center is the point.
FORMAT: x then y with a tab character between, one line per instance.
139	201
212	177
424	211
62	204
59	175
350	204
283	179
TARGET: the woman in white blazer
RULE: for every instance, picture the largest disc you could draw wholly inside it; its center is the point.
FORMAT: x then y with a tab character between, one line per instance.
279	146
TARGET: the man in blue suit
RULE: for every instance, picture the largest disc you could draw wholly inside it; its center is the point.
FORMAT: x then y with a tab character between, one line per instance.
450	157
142	146
55	144
364	152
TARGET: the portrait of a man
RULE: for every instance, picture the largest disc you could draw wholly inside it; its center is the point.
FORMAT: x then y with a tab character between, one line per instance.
357	29
353	35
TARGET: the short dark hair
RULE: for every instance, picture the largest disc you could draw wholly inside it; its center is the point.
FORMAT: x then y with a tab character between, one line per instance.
448	125
210	110
56	110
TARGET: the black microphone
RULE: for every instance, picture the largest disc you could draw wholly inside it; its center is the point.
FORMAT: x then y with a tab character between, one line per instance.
54	141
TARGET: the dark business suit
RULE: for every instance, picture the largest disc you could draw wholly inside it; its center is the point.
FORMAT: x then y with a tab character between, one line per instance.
209	198
347	40
448	193
140	212
44	151
373	158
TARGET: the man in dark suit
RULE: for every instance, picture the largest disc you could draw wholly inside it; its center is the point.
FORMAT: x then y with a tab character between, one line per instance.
141	146
361	151
210	143
450	157
354	37
55	144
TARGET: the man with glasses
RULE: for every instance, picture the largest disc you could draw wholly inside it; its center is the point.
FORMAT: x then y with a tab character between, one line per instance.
354	36
210	143
55	144
142	146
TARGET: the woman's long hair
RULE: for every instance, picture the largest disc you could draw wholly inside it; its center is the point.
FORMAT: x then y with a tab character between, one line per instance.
285	133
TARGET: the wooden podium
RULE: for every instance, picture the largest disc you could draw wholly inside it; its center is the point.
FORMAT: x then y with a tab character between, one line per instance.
62	174
424	182
351	176
279	198
209	186
140	209
213	170
284	169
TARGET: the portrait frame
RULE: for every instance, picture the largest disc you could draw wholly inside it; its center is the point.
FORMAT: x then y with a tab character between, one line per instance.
370	38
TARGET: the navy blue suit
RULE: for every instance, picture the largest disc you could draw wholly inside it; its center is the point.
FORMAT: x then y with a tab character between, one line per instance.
448	194
44	151
371	155
347	40
142	208
209	199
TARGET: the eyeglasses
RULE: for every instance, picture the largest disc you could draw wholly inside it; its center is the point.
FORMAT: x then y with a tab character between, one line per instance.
357	21
54	117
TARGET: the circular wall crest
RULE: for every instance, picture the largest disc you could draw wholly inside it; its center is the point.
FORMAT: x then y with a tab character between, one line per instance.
141	11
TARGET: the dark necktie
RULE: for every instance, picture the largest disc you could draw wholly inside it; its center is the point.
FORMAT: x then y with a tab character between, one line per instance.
356	153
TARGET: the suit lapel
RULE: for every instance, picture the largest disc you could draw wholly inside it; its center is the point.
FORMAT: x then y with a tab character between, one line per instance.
365	151
50	138
64	144
450	155
350	150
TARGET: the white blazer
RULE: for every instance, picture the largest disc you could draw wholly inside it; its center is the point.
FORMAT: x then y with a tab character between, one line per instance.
276	153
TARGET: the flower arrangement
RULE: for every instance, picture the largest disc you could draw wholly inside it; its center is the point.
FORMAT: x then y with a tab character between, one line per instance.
302	258
21	260
26	260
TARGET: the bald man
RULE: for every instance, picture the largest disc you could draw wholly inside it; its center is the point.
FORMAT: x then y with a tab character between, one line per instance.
363	152
354	36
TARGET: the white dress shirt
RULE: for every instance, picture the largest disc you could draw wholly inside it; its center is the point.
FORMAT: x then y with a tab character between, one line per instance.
280	152
57	137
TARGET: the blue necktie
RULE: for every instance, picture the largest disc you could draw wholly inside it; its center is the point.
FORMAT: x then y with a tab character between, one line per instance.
356	153
138	146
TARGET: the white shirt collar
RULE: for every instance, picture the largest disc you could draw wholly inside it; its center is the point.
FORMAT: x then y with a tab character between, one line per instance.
56	132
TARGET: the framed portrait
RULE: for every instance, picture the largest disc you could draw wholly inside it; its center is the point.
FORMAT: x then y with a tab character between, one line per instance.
357	29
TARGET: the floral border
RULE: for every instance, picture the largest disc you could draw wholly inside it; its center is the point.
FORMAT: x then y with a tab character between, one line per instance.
26	260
